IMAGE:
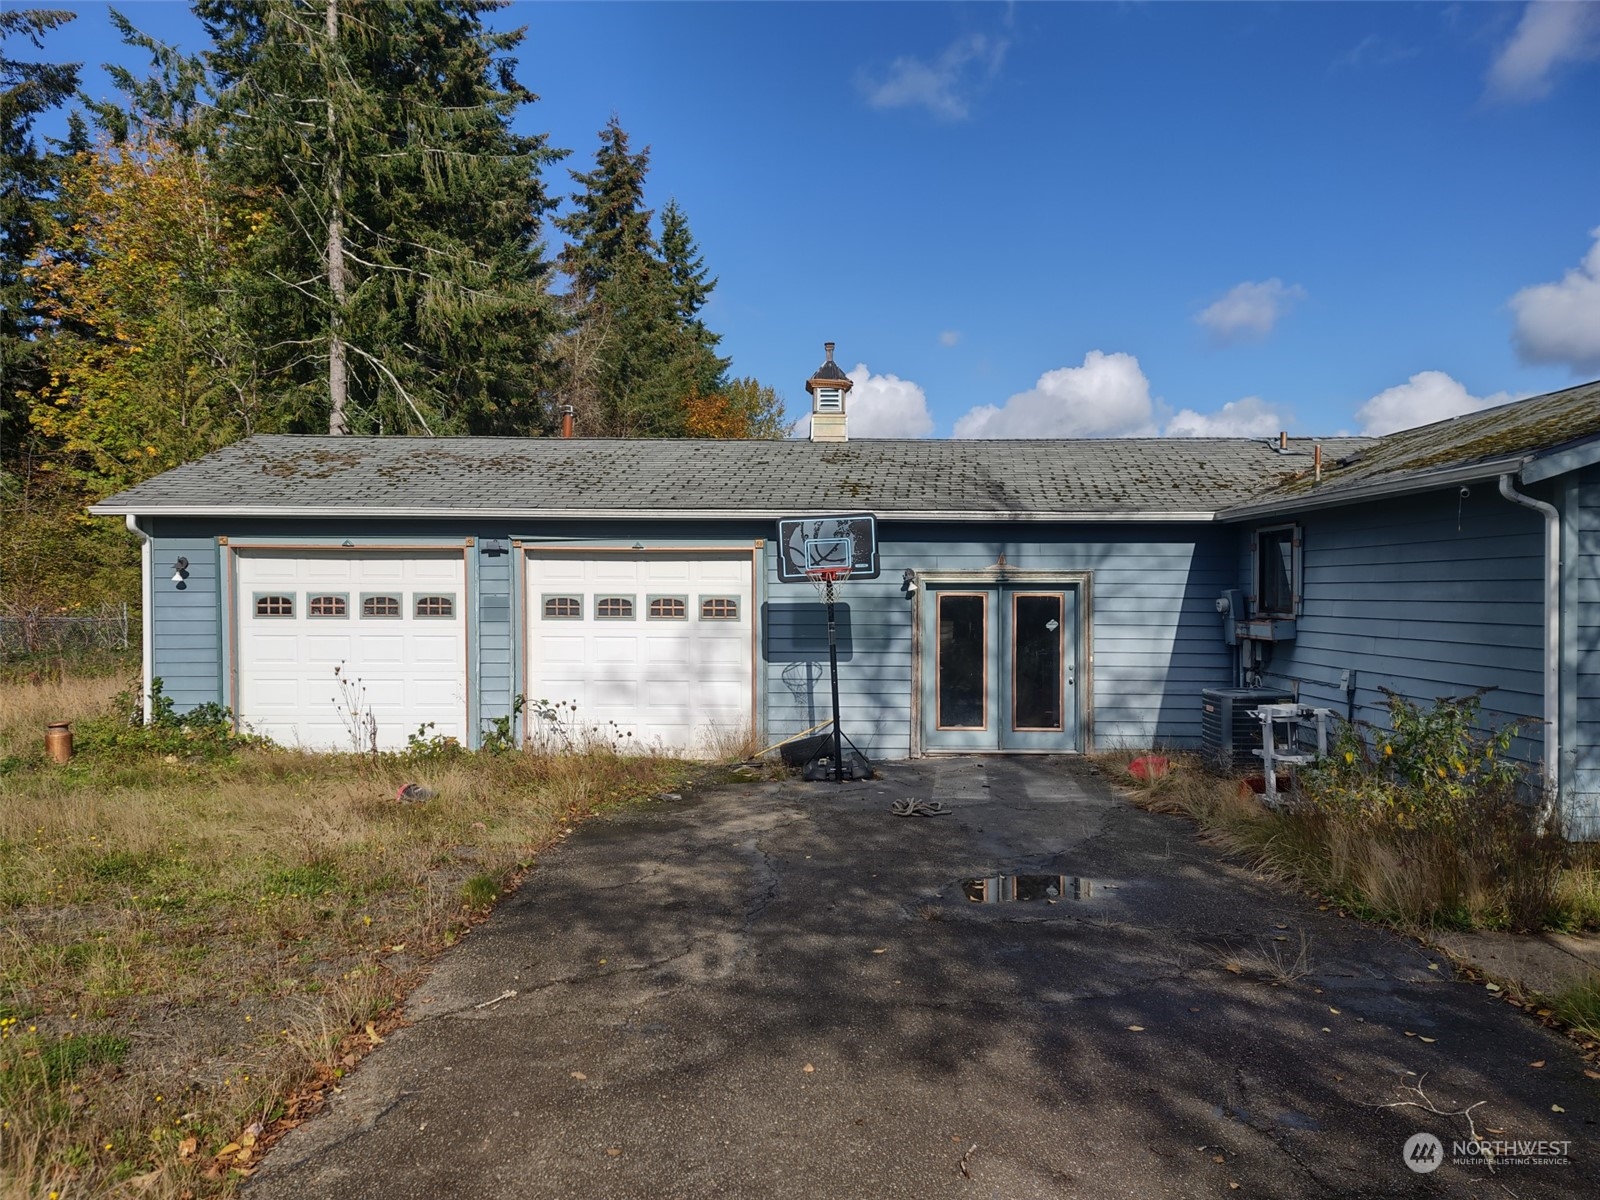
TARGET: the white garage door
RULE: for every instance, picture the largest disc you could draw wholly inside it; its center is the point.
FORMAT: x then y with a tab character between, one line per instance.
658	645
393	623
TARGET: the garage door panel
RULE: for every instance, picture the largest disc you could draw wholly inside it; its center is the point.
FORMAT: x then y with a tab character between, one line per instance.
666	680
668	571
610	648
734	574
411	671
321	649
277	648
435	650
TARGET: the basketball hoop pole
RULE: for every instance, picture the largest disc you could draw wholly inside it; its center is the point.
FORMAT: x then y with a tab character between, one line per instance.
824	579
833	671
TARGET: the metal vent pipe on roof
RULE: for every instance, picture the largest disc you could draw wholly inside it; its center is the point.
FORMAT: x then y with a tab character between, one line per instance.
566	420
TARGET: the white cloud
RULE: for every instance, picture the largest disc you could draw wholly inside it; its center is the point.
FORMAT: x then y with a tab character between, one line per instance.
1551	34
1426	397
1560	322
1108	396
949	337
1249	310
945	86
1250	417
880	406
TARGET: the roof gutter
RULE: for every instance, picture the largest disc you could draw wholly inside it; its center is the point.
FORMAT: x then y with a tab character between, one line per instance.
618	514
1330	497
1552	637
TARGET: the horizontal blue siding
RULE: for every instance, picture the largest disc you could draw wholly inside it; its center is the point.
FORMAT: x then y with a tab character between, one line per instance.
1155	641
1428	596
185	623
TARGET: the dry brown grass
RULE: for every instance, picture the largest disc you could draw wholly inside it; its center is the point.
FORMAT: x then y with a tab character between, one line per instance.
1461	878
184	943
25	709
731	743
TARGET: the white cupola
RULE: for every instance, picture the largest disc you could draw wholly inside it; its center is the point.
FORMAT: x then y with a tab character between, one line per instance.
828	386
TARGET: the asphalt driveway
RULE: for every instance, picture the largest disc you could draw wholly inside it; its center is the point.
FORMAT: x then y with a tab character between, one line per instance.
781	990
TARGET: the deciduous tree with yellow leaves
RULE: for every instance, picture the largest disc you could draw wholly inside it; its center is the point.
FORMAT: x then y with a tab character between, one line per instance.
144	368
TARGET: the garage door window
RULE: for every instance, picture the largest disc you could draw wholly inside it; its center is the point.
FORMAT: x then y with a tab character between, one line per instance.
669	608
436	606
719	608
614	608
563	608
327	606
380	608
274	606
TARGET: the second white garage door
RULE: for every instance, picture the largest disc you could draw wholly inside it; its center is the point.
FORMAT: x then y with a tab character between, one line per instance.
658	645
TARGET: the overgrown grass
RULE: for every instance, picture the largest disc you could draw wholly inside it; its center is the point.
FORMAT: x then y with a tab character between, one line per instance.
193	933
1490	874
1579	1008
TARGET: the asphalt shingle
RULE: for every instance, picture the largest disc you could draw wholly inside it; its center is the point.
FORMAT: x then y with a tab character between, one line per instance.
444	476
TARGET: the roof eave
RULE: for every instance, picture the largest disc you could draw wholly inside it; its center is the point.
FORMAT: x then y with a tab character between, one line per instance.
1377	489
653	514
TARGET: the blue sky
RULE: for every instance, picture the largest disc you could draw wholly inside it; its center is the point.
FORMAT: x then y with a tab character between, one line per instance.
1087	219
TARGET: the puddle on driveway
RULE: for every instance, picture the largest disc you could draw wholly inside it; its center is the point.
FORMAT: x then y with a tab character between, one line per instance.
1007	889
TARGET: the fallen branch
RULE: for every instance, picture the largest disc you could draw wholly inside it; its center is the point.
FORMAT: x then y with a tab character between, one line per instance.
505	995
1428	1105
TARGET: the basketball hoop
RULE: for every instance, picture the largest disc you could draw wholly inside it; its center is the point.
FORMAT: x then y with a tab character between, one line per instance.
824	580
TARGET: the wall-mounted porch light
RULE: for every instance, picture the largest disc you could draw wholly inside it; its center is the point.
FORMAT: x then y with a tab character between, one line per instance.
180	570
908	582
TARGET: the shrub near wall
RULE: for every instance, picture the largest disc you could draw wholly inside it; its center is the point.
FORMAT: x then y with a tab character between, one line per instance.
1425	823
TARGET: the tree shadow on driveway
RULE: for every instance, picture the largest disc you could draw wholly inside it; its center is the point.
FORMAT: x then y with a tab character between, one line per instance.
781	990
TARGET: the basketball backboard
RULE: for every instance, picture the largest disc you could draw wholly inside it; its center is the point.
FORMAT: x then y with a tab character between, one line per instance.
837	540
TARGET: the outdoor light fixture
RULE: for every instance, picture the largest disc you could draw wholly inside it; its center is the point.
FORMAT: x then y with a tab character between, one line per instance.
180	570
908	582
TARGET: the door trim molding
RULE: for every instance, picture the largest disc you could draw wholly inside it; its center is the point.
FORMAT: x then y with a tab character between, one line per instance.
1083	581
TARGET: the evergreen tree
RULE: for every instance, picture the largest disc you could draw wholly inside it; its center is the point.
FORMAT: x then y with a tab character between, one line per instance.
400	279
686	268
167	105
28	177
635	352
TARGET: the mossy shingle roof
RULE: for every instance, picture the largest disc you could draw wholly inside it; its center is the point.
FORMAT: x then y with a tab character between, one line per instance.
1113	477
1032	479
1505	437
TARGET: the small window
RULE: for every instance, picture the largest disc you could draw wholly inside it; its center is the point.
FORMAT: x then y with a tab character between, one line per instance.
274	606
669	608
380	607
614	608
562	608
719	608
327	606
436	606
1277	570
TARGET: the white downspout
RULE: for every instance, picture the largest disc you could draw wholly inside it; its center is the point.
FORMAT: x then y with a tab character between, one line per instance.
1552	635
146	615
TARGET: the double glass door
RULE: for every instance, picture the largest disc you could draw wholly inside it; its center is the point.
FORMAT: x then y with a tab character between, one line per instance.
999	668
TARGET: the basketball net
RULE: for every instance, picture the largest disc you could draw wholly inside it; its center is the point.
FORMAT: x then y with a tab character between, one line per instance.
824	579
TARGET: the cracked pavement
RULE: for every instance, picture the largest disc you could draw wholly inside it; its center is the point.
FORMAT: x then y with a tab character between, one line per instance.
780	990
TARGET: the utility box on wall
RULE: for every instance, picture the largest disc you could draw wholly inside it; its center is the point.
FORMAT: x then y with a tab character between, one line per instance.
1267	629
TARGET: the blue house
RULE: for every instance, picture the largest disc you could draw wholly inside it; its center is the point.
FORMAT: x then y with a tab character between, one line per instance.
1033	596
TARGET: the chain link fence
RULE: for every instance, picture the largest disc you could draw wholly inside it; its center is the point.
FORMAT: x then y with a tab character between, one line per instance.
25	631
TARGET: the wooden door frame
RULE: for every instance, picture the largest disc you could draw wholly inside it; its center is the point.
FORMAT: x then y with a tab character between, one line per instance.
1083	690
